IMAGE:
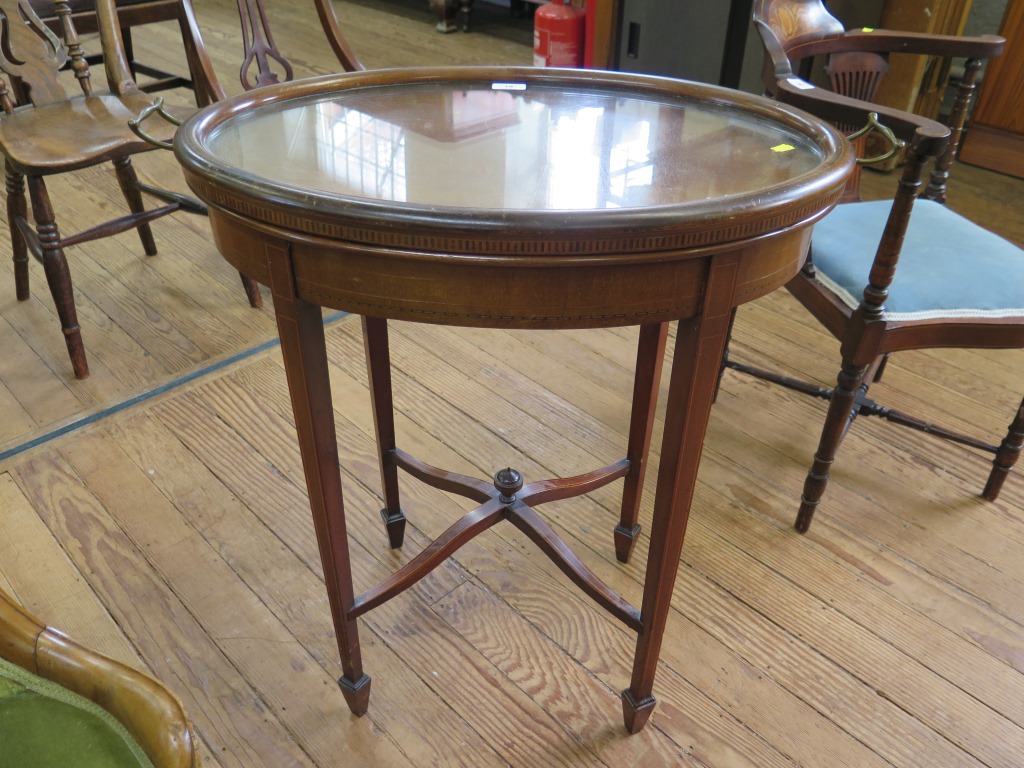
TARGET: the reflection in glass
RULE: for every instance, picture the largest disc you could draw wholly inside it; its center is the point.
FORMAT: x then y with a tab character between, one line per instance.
575	167
543	148
629	163
365	155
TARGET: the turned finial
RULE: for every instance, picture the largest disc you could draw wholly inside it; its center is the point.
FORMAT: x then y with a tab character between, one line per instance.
508	482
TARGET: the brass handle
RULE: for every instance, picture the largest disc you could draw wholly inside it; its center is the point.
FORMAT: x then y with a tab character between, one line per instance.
895	145
136	123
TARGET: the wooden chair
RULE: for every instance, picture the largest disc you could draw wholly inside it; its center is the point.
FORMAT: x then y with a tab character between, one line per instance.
142	704
130	13
895	275
44	132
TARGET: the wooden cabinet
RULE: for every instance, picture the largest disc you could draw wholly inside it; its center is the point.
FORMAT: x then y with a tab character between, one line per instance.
602	21
995	138
918	83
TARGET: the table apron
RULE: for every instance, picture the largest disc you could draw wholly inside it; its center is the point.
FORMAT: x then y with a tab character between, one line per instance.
504	292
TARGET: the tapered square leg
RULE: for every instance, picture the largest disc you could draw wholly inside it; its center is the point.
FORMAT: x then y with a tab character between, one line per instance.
378	367
650	355
636	714
300	327
357	694
700	343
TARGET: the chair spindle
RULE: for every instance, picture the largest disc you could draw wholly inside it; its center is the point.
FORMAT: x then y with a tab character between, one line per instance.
5	98
958	117
886	258
74	46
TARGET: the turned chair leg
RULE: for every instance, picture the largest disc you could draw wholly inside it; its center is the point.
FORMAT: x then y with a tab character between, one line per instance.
129	182
130	189
840	413
881	367
58	276
1006	456
17	209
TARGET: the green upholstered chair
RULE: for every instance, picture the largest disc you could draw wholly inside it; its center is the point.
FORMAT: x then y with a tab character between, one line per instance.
900	274
64	705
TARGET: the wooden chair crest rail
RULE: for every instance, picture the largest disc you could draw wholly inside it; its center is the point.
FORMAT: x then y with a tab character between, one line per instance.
894	275
130	13
44	132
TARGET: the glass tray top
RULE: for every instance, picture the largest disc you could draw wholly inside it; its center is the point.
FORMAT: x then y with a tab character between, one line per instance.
513	145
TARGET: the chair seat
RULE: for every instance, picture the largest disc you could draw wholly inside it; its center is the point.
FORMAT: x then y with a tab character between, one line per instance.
949	267
43	724
37	142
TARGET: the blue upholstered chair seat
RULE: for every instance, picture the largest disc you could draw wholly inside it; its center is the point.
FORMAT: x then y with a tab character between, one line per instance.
948	267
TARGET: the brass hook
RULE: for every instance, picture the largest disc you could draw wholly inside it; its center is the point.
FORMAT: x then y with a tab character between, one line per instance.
895	145
136	123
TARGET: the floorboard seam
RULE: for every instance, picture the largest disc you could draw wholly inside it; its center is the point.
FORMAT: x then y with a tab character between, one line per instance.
143	397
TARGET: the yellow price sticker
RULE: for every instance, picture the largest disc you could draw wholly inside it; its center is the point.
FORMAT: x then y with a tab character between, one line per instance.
783	148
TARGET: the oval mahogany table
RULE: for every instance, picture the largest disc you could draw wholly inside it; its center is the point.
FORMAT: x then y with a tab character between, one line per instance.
512	198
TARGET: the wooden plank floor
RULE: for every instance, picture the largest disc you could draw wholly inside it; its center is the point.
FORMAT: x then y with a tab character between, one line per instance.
157	512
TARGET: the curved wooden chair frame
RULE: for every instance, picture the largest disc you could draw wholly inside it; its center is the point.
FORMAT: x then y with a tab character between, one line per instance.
148	710
130	13
261	62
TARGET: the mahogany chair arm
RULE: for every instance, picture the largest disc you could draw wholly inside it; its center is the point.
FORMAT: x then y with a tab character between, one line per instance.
926	139
890	41
930	135
777	65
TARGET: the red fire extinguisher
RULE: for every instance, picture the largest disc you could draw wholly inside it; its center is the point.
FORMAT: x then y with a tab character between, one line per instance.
558	35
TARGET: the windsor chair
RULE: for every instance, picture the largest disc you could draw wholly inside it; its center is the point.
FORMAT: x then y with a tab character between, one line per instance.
45	131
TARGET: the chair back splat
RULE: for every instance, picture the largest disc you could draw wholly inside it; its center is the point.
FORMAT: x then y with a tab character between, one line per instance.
258	43
263	63
890	275
32	55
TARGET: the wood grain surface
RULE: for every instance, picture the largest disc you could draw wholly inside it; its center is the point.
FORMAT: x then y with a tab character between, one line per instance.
175	535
